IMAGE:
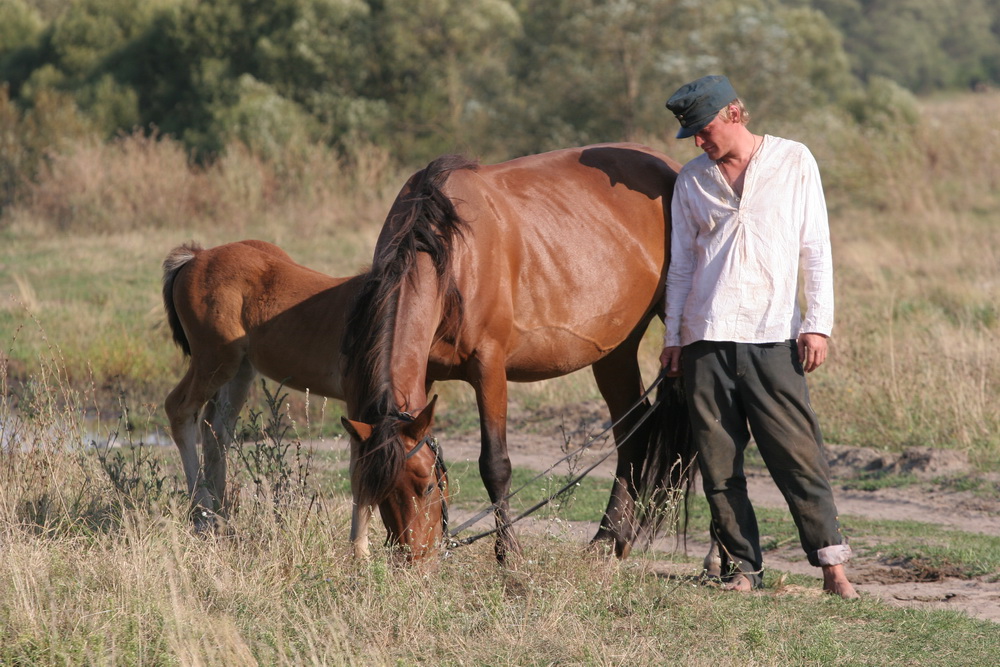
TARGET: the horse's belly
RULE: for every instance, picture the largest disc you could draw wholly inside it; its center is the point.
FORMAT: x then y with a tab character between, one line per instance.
551	351
318	377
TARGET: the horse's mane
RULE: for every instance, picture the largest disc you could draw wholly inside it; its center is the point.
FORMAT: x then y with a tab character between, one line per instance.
176	260
422	219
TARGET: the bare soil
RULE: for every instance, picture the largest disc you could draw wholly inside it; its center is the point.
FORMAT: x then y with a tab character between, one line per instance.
538	439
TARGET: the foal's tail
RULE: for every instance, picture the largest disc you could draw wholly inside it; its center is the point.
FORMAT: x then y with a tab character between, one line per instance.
175	261
669	471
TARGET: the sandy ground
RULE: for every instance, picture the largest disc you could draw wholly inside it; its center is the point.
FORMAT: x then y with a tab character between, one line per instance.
536	441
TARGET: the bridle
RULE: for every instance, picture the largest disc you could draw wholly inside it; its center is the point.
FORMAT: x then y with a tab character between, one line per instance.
440	471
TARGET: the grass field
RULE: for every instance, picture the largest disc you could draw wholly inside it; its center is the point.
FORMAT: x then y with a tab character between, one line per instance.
912	218
100	566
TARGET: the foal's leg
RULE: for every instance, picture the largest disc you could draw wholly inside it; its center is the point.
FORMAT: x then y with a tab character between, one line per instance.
184	407
219	425
209	370
490	382
620	383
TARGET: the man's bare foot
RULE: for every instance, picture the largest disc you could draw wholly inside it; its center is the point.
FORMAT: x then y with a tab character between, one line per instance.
835	582
739	583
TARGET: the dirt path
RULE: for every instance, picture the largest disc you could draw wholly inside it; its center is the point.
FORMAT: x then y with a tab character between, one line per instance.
535	443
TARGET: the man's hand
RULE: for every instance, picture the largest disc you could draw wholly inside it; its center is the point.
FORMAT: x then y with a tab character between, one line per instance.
812	351
670	359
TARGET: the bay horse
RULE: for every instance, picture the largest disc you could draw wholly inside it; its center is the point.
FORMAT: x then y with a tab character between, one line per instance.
245	308
519	271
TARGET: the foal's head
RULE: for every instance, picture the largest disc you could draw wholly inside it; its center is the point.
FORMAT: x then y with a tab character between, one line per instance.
414	505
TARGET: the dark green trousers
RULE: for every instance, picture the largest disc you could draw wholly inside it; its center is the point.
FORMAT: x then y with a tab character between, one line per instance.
739	390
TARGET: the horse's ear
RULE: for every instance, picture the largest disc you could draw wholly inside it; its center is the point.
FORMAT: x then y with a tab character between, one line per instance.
421	424
360	431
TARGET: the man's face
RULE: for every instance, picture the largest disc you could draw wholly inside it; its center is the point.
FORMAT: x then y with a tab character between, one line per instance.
718	137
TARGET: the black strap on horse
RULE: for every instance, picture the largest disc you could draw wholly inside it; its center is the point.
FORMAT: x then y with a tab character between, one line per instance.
440	471
452	543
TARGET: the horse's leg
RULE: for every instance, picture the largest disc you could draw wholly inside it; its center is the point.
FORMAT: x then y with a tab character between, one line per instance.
210	369
219	425
490	383
183	406
620	383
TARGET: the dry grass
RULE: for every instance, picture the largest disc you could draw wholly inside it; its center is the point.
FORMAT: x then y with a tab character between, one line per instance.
918	279
93	576
97	571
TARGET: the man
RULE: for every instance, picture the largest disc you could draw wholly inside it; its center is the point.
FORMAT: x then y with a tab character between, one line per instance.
747	214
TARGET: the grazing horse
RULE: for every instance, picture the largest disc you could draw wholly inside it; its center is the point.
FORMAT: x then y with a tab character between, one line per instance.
519	271
245	308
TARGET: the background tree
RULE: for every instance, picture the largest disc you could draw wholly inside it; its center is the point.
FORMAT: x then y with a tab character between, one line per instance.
442	64
494	78
924	45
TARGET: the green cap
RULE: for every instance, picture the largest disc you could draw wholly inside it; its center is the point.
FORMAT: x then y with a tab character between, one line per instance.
697	103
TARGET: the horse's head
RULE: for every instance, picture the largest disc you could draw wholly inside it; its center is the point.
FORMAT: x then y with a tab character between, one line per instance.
414	505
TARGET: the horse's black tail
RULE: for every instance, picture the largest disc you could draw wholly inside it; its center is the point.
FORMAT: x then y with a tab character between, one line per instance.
176	260
669	471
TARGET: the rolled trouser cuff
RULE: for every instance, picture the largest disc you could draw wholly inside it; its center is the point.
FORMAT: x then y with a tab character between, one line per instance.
836	554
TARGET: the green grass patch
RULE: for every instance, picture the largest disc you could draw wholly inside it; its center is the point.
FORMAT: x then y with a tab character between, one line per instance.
875	480
584	501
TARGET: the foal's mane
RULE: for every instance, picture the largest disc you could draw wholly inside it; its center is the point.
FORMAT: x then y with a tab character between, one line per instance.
422	219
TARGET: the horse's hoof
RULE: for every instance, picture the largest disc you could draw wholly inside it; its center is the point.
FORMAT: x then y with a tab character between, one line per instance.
507	552
207	522
601	546
605	544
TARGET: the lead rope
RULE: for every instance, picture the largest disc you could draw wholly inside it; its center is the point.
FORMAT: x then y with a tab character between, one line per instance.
451	542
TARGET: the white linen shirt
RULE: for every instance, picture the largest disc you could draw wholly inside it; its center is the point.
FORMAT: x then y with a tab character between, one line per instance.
734	262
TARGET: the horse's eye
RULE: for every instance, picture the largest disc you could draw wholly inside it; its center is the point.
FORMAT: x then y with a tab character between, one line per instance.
430	489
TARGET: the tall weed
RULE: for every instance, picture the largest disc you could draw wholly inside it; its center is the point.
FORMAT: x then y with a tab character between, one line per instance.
272	457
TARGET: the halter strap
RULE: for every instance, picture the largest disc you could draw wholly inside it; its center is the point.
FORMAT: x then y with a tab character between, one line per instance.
440	472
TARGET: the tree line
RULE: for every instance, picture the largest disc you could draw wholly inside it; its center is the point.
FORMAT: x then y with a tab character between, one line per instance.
420	77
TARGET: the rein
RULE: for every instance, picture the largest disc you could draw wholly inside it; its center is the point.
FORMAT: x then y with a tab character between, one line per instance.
452	543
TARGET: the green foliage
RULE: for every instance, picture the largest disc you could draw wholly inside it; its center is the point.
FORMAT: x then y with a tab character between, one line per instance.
884	105
441	68
924	45
262	120
271	455
89	31
595	71
494	78
19	26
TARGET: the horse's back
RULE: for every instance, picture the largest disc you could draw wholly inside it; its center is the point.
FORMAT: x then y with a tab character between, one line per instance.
593	198
232	288
568	249
267	248
623	168
249	298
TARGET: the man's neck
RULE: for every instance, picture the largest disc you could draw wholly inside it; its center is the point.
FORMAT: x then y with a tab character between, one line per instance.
744	148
